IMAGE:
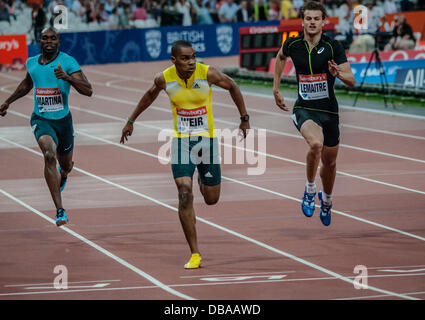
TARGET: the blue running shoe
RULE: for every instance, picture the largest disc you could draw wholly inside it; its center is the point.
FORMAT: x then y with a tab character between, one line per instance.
325	211
63	180
307	204
61	217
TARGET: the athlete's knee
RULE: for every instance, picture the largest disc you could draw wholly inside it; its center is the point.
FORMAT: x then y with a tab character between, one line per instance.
49	157
211	200
67	166
329	163
185	196
316	147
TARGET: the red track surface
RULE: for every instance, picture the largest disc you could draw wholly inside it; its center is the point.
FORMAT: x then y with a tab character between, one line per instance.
124	240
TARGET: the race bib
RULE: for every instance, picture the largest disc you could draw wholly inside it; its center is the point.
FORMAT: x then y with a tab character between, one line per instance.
192	120
314	86
49	99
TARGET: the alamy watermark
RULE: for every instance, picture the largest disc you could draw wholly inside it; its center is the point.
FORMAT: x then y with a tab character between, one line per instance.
361	280
361	17
61	20
227	147
60	282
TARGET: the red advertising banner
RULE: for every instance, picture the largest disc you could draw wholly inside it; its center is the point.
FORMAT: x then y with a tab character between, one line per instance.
13	52
388	55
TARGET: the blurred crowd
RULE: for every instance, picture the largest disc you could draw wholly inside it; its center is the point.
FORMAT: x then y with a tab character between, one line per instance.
112	14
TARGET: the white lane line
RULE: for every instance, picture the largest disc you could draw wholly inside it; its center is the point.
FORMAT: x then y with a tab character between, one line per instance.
58	291
51	286
123	146
236	234
272	113
270	97
206	284
109	254
112	84
155	127
83	133
69	282
260	95
256	187
333	211
167	110
401	271
384	132
237	274
277	132
280	133
394	267
381	296
272	156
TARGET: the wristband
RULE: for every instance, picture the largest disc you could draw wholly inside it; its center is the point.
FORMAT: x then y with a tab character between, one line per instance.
245	118
130	121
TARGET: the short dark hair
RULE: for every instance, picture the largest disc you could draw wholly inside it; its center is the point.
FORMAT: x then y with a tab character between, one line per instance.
179	44
50	28
313	5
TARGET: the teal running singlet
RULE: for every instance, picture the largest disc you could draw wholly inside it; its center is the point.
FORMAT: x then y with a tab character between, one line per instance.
51	93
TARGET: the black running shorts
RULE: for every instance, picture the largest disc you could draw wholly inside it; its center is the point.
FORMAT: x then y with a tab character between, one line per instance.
329	122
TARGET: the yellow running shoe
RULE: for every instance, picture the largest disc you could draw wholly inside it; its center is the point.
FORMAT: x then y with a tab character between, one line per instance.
194	262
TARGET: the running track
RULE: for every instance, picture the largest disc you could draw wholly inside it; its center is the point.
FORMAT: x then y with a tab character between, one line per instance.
124	239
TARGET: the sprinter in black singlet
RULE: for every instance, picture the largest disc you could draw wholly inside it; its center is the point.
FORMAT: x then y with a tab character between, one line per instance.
318	60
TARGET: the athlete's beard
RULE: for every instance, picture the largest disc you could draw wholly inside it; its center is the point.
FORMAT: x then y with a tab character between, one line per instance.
48	55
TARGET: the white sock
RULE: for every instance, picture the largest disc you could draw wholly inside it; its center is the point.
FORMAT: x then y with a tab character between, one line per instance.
310	187
327	198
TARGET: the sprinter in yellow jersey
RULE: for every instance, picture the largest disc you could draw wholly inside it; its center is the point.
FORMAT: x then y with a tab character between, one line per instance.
188	85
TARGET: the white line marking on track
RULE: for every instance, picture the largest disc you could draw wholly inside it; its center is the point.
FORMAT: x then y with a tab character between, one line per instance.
381	296
90	286
236	274
272	113
110	84
255	186
394	267
75	291
262	153
248	93
270	155
270	97
155	127
218	120
239	235
48	283
96	246
226	283
243	278
387	154
401	271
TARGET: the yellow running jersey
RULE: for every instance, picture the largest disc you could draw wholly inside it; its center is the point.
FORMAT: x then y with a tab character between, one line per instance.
191	102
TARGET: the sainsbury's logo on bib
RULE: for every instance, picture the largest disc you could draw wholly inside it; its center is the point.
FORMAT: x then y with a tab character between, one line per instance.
192	120
313	86
49	99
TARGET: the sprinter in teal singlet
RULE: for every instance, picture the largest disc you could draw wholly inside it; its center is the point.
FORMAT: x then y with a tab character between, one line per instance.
51	75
